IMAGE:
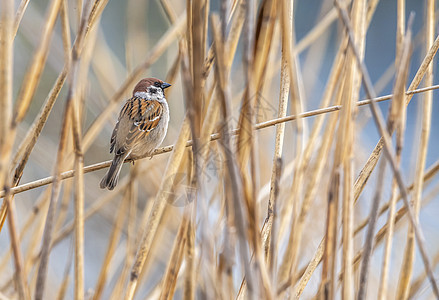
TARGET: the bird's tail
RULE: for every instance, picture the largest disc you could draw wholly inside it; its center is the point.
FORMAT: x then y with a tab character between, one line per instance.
112	177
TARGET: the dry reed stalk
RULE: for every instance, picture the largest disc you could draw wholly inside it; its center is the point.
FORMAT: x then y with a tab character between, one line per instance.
193	79
20	275
194	99
343	164
409	254
236	22
79	200
80	68
290	212
66	278
6	58
376	112
348	139
19	15
189	37
63	209
157	211
66	37
267	237
112	243
131	228
6	69
327	284
199	36
174	264
397	117
272	258
417	283
170	13
191	276
266	233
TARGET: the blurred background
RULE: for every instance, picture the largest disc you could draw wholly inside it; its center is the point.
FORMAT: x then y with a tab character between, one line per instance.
124	39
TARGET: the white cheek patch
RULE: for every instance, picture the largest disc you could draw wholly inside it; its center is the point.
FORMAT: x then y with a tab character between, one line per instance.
145	95
141	94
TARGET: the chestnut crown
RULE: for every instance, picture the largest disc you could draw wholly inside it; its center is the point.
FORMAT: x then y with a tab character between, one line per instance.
145	83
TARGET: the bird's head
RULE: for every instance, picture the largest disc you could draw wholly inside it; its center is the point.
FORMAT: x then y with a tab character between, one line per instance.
150	87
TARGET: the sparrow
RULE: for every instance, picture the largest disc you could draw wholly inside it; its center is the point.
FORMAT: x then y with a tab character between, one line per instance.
140	128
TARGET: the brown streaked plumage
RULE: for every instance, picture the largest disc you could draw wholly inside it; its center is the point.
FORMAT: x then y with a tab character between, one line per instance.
140	128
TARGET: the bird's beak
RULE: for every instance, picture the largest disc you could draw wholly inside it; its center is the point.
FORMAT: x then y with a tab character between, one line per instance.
165	85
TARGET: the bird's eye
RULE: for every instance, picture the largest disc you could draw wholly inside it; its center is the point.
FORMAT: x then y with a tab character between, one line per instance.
157	84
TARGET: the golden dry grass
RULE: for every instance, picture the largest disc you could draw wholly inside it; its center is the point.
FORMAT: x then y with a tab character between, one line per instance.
232	207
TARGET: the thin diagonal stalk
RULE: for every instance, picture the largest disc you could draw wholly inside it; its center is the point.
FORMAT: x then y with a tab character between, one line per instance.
409	255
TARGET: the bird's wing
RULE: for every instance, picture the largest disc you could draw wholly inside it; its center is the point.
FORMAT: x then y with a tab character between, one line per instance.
144	115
